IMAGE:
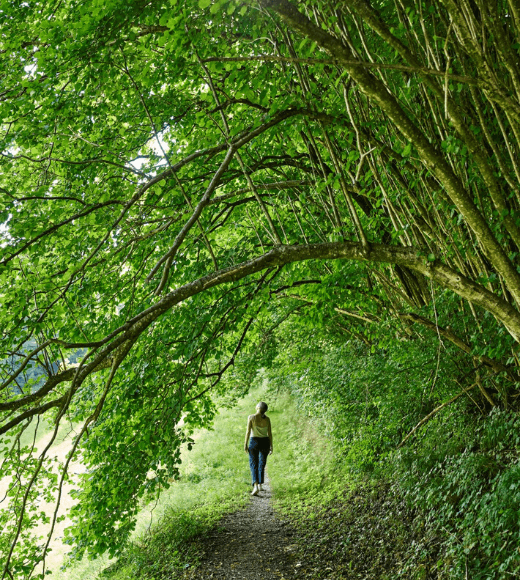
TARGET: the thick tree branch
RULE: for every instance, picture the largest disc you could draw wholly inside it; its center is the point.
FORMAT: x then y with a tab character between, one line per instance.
433	159
447	333
374	65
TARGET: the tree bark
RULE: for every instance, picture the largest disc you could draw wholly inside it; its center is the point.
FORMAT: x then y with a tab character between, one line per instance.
375	90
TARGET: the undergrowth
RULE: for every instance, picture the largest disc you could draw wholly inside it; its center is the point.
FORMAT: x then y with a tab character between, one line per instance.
466	484
444	506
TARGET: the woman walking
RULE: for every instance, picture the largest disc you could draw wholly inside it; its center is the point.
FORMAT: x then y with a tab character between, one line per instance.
260	444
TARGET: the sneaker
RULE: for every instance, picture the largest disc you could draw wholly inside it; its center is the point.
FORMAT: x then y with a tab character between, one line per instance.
255	489
260	487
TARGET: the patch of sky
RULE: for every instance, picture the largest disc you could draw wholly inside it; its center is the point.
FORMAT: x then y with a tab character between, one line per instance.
157	146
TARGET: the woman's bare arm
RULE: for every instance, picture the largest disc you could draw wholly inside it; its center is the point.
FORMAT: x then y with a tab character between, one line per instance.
270	435
248	432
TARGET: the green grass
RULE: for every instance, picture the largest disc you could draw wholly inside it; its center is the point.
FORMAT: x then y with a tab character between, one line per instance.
303	467
214	480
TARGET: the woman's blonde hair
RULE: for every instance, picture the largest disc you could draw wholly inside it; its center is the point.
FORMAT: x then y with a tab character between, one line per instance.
263	408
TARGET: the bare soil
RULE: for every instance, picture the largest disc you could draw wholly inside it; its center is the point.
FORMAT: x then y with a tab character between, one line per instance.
251	544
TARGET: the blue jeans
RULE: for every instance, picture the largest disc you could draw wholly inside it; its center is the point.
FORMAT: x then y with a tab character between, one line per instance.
258	451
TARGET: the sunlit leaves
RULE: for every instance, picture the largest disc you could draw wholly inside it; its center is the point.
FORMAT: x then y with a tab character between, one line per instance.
116	118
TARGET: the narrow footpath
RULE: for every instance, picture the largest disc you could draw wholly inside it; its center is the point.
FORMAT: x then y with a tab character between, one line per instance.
251	544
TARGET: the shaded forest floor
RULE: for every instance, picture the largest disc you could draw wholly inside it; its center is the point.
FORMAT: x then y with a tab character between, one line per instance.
366	534
250	544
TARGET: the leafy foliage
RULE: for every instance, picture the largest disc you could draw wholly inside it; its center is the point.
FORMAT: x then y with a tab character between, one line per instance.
445	505
467	482
178	182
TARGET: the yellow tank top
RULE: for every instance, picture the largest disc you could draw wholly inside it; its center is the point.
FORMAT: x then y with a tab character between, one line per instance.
258	431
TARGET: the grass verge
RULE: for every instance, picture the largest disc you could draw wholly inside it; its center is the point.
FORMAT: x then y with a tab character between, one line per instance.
214	480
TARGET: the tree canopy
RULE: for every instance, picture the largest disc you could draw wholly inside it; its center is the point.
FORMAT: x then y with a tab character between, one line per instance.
180	180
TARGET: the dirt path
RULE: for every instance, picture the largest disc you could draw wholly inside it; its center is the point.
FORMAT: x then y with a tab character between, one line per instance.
251	544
